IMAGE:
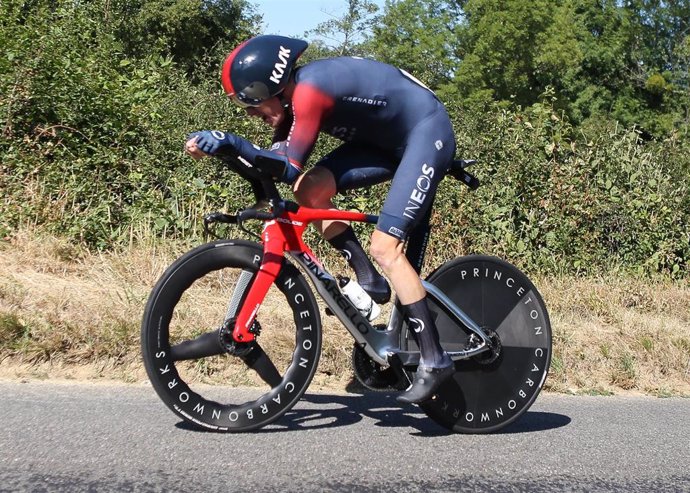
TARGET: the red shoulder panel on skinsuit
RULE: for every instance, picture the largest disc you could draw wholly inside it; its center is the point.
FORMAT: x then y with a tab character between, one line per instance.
310	106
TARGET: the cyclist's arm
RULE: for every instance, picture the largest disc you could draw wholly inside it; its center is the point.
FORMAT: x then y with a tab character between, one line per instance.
217	143
309	107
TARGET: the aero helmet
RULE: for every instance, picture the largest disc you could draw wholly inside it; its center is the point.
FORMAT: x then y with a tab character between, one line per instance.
260	68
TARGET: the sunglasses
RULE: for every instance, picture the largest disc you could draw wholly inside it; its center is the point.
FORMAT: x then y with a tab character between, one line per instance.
245	102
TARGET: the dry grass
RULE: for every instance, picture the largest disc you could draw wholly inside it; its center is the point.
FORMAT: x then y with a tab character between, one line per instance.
69	313
619	334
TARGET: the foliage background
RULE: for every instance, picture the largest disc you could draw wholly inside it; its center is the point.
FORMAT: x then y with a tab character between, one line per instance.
577	112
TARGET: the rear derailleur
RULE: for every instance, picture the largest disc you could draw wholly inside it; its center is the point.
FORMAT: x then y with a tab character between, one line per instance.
494	347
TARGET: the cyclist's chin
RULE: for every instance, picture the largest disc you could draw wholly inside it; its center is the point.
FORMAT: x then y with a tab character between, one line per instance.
273	121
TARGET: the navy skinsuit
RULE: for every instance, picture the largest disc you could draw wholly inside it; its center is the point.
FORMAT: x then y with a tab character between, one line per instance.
392	127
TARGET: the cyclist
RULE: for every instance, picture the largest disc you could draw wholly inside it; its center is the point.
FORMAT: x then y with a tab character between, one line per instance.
392	127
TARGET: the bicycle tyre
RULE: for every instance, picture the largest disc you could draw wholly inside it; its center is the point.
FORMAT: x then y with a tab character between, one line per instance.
485	396
170	306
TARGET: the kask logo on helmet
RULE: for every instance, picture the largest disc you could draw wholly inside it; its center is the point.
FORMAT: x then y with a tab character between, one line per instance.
281	65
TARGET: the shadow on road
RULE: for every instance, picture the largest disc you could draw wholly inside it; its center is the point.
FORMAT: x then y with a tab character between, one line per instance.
335	410
383	408
533	421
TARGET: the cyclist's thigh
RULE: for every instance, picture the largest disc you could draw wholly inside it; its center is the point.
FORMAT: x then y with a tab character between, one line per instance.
427	157
358	166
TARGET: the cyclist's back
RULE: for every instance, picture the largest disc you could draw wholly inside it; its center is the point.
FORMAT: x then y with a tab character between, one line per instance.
392	125
358	100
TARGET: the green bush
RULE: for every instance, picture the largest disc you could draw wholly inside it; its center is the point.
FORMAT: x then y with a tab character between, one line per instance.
556	198
92	140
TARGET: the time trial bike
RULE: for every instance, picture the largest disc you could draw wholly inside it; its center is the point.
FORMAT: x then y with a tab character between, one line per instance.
224	304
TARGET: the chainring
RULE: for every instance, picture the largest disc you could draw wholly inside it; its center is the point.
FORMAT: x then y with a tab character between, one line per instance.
372	376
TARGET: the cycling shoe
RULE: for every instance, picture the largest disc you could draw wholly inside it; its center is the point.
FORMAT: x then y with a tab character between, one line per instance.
426	381
378	289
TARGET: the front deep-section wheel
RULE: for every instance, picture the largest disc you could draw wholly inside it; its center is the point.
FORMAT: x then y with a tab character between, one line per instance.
492	389
194	366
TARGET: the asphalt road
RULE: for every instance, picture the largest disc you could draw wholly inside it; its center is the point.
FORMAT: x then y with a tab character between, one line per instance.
80	437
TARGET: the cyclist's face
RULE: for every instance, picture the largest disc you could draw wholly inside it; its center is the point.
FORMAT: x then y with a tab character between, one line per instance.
270	111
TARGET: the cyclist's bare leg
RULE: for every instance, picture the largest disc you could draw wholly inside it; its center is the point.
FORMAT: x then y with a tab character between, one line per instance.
316	188
388	253
435	365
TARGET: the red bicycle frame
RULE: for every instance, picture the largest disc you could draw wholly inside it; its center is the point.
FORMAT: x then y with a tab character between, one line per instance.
280	235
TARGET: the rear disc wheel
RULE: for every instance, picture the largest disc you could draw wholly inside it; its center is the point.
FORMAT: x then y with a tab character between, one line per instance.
493	389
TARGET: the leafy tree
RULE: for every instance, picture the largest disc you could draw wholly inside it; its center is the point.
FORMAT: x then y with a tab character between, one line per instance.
659	29
681	79
623	59
420	36
558	55
603	35
499	48
186	30
630	63
345	35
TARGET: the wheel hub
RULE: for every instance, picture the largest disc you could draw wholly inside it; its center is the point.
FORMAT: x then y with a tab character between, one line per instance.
494	351
230	345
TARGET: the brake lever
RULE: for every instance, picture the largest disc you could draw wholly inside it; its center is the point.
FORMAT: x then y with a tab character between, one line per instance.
217	217
277	206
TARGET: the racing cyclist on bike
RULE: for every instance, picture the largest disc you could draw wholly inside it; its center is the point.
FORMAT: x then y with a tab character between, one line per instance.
392	127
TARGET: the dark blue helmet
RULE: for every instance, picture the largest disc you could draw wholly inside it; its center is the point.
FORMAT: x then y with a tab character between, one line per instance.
260	68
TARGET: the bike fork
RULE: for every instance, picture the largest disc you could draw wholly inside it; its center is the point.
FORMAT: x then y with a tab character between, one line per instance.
238	293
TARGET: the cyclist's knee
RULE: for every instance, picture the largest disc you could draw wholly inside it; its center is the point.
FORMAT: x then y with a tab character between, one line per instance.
386	250
315	188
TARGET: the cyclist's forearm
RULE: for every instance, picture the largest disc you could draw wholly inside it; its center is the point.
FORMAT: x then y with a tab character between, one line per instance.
216	143
250	152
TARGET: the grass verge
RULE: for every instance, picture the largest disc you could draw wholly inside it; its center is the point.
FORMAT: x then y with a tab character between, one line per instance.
66	312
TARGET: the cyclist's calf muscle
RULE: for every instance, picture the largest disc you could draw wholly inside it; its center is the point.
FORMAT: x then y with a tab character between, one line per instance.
388	252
